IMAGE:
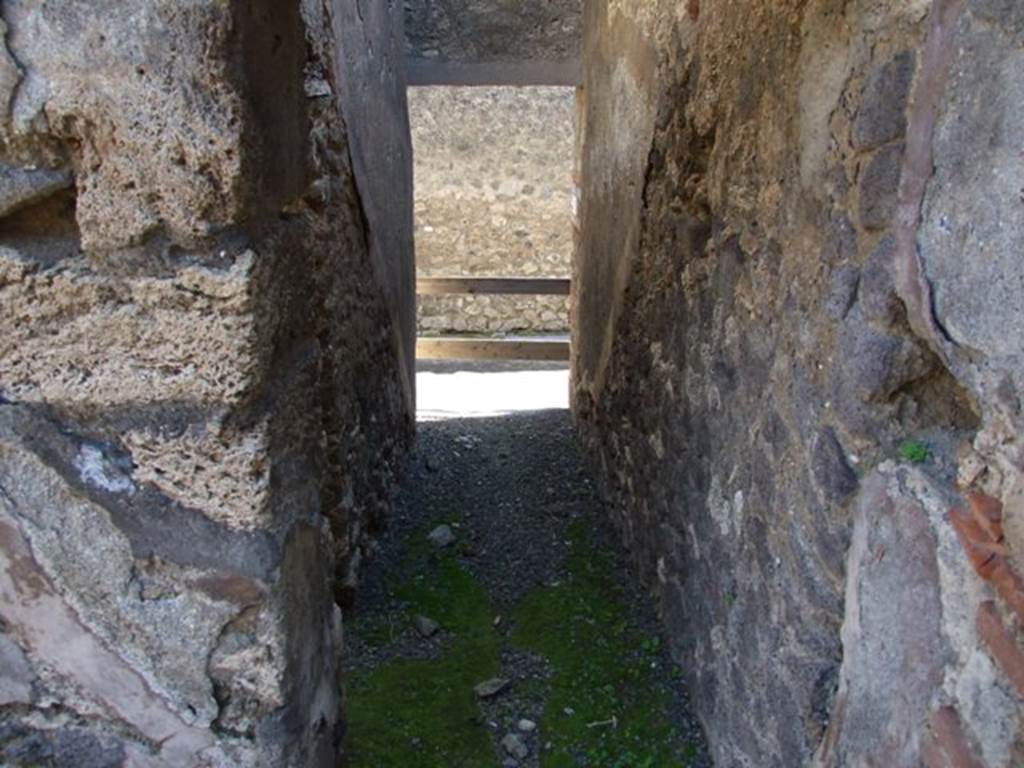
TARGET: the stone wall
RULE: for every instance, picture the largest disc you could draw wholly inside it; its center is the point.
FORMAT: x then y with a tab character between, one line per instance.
494	189
525	42
799	248
204	373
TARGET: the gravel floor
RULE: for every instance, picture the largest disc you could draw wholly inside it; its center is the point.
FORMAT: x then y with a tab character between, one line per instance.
510	487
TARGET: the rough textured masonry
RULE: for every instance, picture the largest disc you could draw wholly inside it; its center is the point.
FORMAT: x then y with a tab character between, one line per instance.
478	42
205	370
800	246
494	184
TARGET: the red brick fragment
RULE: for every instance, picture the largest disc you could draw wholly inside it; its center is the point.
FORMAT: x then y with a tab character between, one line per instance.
1009	586
946	746
988	512
1001	644
984	554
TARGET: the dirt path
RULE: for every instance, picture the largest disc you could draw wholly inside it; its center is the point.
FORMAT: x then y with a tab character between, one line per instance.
529	593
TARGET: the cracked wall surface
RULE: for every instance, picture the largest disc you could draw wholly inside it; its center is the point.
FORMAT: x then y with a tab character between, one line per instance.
205	371
800	228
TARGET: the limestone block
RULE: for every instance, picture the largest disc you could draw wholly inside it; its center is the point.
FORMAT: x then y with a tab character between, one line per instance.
154	612
77	337
211	626
149	102
208	467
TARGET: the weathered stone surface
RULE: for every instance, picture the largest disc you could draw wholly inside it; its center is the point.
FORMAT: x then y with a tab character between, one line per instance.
753	295
76	337
23	186
16	676
59	747
201	379
894	652
877	291
835	479
161	119
494	30
493	197
880	178
880	117
972	211
843	293
910	658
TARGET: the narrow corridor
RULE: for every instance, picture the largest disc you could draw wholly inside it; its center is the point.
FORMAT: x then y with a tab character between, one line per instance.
498	624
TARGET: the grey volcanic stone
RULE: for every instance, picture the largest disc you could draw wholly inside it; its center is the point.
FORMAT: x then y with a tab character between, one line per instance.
843	292
489	688
835	479
877	293
726	384
23	186
879	182
881	117
442	536
514	745
872	364
16	676
425	627
973	211
59	748
841	242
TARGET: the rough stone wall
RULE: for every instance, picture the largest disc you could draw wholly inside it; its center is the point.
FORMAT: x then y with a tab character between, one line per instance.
494	190
201	387
800	236
493	30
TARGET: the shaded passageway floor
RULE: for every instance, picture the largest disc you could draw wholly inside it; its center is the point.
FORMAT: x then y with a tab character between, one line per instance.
498	569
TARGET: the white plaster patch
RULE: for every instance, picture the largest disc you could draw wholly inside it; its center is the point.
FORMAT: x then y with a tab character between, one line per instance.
824	68
737	511
718	506
95	469
657	445
691	529
989	710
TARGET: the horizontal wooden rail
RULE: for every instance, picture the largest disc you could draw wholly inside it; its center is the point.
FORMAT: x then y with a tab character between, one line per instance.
491	349
518	73
540	286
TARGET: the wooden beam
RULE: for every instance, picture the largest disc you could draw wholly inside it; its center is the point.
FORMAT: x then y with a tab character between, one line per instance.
420	72
541	286
491	349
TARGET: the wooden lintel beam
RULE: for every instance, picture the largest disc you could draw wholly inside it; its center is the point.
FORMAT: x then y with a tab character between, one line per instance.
541	286
492	349
419	72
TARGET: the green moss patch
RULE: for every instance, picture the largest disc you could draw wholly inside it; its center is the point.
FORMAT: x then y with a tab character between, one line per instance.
604	707
411	713
914	451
